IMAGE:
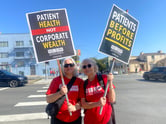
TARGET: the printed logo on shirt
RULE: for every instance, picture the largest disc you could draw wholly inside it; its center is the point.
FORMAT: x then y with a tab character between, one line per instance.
93	90
74	88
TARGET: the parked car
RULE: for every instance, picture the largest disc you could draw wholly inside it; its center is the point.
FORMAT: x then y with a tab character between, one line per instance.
156	73
115	72
11	79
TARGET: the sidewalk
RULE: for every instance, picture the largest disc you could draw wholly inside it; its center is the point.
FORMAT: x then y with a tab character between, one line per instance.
48	81
43	81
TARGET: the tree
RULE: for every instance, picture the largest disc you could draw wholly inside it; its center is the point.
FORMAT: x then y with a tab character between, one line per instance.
102	64
76	58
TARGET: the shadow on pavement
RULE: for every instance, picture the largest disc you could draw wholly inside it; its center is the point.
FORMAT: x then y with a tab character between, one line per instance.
151	81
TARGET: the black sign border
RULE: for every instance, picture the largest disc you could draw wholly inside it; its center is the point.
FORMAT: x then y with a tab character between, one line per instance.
34	48
114	5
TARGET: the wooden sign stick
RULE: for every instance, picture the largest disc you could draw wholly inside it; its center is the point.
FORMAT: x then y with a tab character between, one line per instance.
63	83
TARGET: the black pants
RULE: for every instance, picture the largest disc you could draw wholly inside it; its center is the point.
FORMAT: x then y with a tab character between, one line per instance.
57	121
110	121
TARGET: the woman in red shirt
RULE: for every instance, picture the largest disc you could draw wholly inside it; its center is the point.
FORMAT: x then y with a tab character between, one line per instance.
69	70
93	99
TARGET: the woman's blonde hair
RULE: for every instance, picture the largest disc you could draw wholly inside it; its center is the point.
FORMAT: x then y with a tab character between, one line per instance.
90	61
75	73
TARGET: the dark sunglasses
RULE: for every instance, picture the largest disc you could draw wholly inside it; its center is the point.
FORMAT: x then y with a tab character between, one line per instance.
86	66
67	65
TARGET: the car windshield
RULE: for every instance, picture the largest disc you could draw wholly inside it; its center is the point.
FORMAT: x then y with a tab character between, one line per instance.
7	73
158	70
155	69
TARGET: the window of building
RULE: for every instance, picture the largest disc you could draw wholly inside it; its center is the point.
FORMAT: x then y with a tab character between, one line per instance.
145	58
30	42
3	43
21	73
44	71
19	54
20	64
3	55
152	57
19	43
5	66
4	63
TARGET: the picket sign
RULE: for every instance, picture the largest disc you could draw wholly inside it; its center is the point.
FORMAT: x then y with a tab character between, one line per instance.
43	34
113	36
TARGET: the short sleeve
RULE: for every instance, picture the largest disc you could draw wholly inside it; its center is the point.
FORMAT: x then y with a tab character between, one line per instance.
105	81
54	86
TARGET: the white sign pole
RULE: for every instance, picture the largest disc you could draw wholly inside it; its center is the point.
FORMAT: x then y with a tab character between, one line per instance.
106	88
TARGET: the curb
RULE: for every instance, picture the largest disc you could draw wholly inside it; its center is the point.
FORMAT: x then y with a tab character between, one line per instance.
43	81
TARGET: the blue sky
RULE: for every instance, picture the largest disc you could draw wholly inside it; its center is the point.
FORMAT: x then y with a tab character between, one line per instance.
88	18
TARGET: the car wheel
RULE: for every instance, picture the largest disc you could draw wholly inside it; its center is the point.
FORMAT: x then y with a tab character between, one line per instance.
146	78
13	83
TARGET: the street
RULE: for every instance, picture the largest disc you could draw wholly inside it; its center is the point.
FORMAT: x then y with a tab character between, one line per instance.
24	104
137	102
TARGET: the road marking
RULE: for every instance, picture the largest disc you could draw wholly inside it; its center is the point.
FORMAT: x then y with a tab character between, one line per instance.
45	87
36	96
21	117
31	103
3	88
41	91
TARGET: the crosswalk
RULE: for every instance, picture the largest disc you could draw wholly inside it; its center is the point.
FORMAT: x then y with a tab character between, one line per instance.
21	117
3	88
29	103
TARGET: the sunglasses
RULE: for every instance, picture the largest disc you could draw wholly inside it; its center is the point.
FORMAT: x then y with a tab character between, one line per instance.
67	65
86	66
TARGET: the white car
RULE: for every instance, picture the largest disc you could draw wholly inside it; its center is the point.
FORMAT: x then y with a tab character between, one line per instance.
115	73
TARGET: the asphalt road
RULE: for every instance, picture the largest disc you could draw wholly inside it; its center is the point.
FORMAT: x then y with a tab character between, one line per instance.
24	105
137	102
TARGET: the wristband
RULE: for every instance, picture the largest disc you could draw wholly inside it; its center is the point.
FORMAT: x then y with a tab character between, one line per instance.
111	87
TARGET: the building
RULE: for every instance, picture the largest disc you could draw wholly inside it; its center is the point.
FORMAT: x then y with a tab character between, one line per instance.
141	63
146	61
119	67
17	56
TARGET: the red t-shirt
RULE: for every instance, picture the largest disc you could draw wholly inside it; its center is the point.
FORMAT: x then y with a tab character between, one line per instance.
93	93
73	95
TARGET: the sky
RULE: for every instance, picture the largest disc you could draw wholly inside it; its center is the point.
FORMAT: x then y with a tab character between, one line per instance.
88	19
